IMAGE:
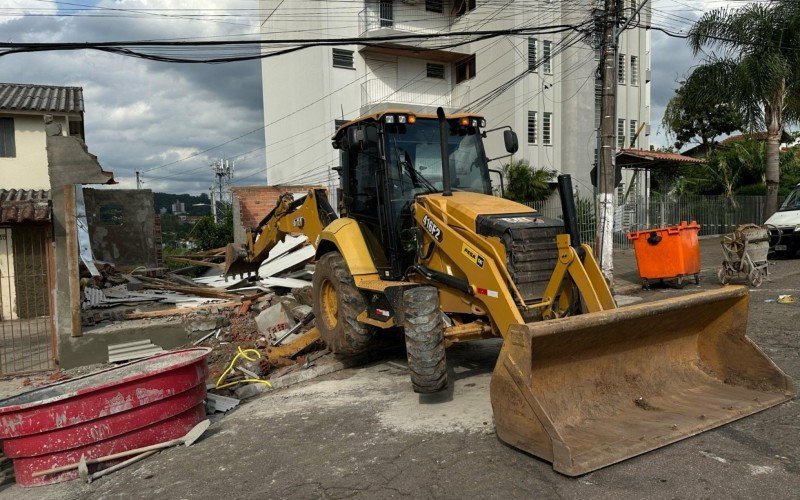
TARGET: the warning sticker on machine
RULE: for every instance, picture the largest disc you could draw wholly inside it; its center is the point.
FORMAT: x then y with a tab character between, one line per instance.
472	255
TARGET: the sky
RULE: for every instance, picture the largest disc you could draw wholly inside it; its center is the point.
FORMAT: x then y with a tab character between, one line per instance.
159	118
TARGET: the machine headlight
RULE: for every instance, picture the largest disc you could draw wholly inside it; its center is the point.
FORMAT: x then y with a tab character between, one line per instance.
389	118
483	123
474	122
797	228
401	118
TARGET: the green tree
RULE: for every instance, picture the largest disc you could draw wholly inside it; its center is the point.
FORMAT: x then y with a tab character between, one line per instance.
208	234
758	71
526	184
688	120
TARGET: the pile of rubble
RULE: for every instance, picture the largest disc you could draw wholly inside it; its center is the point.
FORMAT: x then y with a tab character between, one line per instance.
263	313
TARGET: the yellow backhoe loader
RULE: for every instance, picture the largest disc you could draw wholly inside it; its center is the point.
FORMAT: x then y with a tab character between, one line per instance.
422	245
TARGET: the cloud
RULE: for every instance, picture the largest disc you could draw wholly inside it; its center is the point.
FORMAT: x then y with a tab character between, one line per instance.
672	60
142	114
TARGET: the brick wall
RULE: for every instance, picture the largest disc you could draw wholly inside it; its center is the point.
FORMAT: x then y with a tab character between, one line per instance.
252	203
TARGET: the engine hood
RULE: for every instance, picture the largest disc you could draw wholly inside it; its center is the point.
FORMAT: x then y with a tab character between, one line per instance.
467	207
789	218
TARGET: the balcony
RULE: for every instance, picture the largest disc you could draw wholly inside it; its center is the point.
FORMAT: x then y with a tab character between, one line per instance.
381	18
415	93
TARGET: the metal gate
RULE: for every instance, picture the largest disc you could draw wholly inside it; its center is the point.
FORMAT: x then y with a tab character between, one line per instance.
27	339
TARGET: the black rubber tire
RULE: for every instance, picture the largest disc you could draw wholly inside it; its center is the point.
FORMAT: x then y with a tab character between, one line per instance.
348	336
424	333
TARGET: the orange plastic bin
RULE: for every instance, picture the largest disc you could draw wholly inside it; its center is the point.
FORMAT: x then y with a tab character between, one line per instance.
667	253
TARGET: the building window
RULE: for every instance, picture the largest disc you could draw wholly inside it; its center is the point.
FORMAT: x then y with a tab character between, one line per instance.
531	127
465	69
620	133
547	52
461	7
337	124
632	129
634	70
532	54
547	123
343	59
434	6
386	14
621	69
435	71
8	148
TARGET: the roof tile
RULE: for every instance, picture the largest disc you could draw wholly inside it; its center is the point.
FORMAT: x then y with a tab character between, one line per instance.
45	98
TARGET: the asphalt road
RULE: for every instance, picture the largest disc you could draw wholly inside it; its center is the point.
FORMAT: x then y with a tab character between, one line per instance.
363	433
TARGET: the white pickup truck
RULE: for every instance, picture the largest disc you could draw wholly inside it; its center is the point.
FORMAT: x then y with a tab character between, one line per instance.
786	221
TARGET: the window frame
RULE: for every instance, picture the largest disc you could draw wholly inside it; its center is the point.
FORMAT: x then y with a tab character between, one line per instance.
634	79
8	140
428	67
547	57
468	62
620	133
622	61
547	128
633	125
533	132
533	55
343	53
430	6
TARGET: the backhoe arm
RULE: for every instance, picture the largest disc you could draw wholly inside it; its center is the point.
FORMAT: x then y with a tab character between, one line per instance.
307	215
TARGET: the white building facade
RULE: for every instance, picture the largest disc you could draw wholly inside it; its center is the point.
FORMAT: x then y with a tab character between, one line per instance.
543	85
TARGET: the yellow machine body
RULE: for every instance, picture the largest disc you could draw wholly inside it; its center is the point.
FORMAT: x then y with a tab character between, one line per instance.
580	388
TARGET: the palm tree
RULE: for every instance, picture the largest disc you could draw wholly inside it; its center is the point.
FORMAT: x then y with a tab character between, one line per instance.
758	71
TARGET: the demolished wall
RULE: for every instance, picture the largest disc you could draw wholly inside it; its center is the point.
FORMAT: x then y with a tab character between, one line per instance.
122	226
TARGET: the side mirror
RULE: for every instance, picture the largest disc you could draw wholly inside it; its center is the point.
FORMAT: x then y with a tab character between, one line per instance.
360	137
510	138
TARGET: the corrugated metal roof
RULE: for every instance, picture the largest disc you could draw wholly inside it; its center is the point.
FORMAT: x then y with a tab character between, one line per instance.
24	205
45	98
656	156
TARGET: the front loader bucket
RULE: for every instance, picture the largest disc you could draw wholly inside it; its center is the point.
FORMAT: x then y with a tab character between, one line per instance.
236	261
588	391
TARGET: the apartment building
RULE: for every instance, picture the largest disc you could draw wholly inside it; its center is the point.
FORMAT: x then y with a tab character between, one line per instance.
542	85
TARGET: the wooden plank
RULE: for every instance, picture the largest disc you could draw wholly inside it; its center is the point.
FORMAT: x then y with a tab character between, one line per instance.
284	282
220	265
73	257
178	311
193	290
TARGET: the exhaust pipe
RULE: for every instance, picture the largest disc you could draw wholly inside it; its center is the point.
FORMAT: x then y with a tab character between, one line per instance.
569	211
446	187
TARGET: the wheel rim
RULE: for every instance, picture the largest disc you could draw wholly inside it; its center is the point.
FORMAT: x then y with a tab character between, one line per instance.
329	304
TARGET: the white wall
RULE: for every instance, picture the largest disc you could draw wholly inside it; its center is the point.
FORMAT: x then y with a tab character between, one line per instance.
300	144
28	169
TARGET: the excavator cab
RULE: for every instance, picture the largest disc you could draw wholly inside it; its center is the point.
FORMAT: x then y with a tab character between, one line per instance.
390	158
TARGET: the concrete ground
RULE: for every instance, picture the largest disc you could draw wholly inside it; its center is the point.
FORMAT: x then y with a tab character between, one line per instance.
363	433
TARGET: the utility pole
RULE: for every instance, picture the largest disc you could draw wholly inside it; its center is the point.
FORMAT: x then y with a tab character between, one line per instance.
223	170
138	181
604	244
214	204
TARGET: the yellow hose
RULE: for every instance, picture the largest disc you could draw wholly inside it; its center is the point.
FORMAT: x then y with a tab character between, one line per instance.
244	354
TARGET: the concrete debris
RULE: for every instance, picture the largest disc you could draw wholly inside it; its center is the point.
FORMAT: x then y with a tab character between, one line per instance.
219	403
274	321
132	350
